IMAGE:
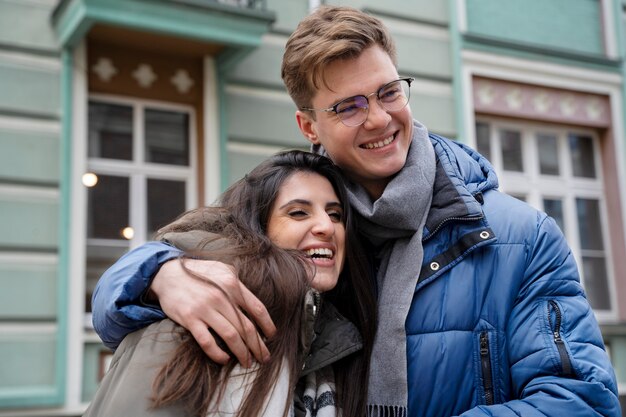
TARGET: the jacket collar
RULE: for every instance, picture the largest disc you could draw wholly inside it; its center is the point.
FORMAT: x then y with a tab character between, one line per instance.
462	176
334	338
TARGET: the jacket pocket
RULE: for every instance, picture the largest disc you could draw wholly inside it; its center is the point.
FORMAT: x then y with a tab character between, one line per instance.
487	366
555	319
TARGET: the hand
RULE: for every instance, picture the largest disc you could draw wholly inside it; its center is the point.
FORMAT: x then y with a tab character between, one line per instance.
198	306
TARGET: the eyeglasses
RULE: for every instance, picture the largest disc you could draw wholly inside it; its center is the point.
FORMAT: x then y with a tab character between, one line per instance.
353	111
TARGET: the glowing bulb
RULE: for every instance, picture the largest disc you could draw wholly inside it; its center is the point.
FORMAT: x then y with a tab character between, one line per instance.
128	232
90	179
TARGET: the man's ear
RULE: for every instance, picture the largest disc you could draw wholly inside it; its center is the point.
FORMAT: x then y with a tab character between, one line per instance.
307	126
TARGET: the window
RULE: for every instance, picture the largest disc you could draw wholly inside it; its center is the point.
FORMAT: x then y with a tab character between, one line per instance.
140	176
555	169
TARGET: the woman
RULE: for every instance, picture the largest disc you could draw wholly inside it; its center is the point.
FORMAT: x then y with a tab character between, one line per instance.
285	227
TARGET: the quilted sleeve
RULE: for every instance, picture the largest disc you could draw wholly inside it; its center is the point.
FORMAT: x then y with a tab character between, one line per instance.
116	304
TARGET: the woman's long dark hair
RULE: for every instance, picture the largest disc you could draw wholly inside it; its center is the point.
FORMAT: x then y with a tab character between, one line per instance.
280	279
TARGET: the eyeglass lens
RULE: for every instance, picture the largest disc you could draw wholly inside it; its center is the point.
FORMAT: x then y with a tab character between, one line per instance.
392	97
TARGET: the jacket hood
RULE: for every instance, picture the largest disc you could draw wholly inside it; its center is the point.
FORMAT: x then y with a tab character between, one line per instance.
473	171
462	176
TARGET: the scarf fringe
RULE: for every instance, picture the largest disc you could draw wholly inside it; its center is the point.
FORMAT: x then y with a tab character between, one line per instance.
386	411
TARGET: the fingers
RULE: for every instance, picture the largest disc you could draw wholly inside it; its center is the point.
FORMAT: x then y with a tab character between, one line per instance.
208	344
257	312
201	307
241	338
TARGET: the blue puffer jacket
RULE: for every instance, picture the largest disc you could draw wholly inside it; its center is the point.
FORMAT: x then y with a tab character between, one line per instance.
499	324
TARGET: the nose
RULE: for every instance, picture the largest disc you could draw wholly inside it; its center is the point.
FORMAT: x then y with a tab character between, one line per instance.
323	226
377	116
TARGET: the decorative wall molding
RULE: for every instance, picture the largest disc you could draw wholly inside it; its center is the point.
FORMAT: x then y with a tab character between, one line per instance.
182	81
145	76
144	73
104	69
512	99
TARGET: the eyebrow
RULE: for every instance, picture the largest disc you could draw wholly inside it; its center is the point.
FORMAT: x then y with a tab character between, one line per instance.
362	94
308	203
336	204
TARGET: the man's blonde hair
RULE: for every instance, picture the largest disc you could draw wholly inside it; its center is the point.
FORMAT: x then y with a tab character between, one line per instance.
329	34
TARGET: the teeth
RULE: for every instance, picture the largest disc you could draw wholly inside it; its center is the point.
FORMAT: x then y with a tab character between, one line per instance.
320	252
379	144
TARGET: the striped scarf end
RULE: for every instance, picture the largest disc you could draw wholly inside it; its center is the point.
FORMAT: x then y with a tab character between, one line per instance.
386	411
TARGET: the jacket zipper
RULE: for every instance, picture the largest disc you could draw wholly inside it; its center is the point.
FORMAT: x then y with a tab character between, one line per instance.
449	219
317	302
485	361
566	364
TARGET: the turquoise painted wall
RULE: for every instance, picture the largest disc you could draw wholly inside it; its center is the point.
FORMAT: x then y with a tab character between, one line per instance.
25	290
25	25
30	85
28	89
420	10
573	25
28	157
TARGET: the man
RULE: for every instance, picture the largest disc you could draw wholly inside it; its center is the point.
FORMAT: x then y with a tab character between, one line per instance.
480	307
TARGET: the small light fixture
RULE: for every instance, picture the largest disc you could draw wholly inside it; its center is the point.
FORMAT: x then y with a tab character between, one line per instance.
128	232
90	179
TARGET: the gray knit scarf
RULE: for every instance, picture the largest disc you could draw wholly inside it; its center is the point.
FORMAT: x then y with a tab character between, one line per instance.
395	222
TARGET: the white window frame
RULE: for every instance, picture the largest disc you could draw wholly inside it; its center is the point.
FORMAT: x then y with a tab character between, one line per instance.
535	186
138	171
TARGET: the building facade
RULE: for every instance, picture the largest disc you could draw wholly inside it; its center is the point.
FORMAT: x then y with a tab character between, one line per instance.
117	115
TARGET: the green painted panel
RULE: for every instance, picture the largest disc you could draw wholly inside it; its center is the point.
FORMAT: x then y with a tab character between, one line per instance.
206	20
27	24
618	357
422	10
288	13
29	156
435	112
28	224
265	120
27	291
262	66
29	90
27	368
91	369
424	56
240	162
574	25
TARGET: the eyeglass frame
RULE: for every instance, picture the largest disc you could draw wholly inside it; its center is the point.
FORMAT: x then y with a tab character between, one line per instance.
333	108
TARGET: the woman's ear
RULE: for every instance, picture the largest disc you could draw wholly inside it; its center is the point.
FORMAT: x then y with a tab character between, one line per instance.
307	126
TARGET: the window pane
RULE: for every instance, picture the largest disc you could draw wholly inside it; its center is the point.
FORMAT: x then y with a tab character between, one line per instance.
166	201
511	142
100	256
589	225
167	137
581	152
108	207
596	282
483	140
548	154
554	209
110	131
